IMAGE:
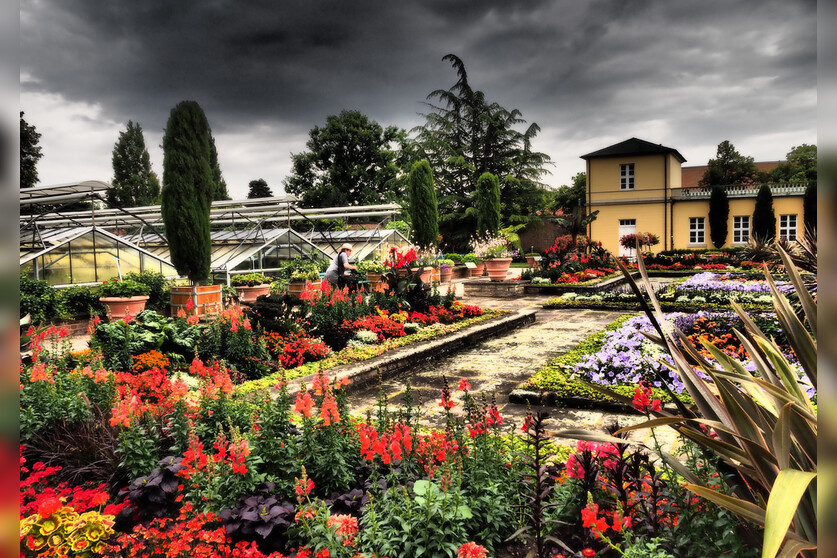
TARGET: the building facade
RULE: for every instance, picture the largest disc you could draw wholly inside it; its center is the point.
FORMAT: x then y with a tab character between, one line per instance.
638	187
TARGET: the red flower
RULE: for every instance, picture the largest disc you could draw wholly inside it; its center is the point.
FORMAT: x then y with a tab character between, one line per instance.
49	506
464	385
588	552
471	550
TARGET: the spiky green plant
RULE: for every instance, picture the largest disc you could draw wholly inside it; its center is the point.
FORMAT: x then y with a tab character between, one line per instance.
761	427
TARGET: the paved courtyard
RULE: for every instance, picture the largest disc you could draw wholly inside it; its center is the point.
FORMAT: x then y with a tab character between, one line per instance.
497	366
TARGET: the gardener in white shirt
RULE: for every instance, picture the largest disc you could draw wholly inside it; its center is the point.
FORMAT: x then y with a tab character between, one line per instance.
336	273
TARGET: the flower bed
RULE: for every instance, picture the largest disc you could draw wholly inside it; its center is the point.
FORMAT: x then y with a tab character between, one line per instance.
622	356
202	473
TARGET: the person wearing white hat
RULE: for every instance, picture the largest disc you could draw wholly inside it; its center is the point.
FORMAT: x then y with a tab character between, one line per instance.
336	272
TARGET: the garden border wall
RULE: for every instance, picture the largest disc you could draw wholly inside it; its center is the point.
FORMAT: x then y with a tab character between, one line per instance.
364	374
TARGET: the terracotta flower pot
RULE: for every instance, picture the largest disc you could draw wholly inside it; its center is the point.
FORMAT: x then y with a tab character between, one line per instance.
479	270
117	307
497	268
250	294
208	303
445	275
424	273
296	287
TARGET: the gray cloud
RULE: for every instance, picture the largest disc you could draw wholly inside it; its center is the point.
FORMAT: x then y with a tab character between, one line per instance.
586	72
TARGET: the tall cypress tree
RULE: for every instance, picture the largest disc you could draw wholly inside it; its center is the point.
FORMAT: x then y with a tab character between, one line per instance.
187	189
30	153
488	204
424	209
764	220
219	185
134	183
809	207
718	216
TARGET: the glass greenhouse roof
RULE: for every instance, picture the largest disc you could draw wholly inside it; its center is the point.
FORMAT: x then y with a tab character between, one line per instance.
85	255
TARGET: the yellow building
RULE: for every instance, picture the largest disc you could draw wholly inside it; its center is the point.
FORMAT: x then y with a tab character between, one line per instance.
637	187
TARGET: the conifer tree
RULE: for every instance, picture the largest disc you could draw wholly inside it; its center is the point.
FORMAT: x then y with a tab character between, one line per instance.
219	185
809	207
718	216
424	210
488	204
259	189
30	153
134	183
764	219
188	187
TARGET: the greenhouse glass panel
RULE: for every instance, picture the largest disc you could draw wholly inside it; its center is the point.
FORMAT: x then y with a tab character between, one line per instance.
56	270
129	259
106	254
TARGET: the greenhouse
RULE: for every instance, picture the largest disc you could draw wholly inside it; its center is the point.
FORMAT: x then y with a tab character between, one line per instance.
81	255
68	235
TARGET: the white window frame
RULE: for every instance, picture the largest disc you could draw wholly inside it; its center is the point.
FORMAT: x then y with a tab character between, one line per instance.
788	227
697	231
626	176
741	229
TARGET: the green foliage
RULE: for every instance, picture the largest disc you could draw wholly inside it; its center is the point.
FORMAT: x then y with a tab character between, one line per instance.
259	189
764	219
569	198
488	204
78	300
219	185
149	330
249	280
158	285
429	522
454	257
729	167
30	153
124	288
137	449
424	210
134	183
188	189
349	161
718	216
401	226
464	136
37	298
800	165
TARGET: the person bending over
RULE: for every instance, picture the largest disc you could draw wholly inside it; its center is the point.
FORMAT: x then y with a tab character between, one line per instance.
336	272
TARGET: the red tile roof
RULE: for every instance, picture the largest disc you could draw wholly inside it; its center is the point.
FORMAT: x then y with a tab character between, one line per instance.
690	176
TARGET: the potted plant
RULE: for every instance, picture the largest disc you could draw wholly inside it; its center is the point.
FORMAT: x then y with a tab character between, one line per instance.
123	297
373	270
250	286
495	252
479	265
445	270
301	277
423	264
530	259
188	186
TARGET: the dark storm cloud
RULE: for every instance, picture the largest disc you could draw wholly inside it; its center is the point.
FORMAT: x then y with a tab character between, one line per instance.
691	72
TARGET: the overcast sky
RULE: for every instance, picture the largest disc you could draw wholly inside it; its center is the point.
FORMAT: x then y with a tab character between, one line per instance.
684	74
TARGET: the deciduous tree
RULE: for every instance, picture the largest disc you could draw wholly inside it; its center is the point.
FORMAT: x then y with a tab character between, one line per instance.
729	167
134	183
188	188
352	160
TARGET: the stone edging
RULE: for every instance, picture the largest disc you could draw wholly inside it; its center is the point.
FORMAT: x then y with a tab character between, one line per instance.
365	373
524	396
